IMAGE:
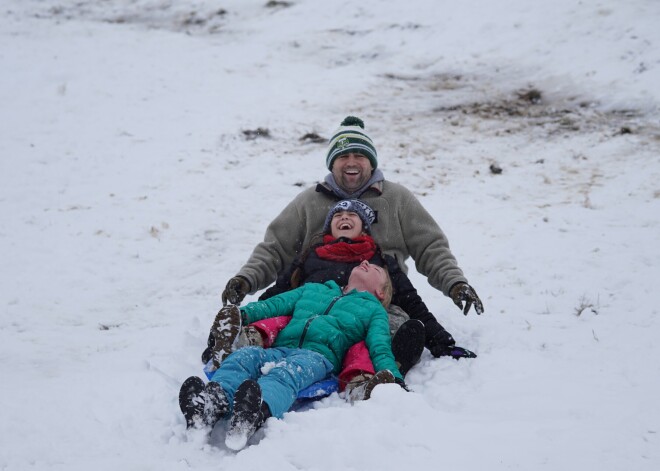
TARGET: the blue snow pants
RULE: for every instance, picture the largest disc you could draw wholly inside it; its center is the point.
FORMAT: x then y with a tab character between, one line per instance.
290	370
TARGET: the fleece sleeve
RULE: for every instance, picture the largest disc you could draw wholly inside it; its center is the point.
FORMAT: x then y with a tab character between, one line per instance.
281	243
428	245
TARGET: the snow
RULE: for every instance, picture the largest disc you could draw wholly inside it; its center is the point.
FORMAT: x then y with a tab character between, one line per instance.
130	194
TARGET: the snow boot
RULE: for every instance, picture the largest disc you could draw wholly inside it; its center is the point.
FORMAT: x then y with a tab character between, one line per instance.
250	412
408	344
248	337
216	405
191	401
251	337
354	390
381	377
225	330
361	386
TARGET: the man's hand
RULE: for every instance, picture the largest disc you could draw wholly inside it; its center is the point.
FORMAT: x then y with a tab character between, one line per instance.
235	291
442	344
453	351
464	292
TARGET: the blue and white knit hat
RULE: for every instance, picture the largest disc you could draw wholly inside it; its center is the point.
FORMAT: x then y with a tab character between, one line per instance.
350	137
358	207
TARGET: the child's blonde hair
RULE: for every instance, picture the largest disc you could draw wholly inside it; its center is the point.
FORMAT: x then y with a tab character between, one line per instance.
387	289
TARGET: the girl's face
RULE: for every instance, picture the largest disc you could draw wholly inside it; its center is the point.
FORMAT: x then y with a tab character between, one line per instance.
369	277
346	224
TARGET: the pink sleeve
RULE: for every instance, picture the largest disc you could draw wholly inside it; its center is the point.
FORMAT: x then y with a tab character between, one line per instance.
356	361
269	328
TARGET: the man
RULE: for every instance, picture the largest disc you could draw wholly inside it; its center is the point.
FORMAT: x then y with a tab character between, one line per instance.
326	321
402	227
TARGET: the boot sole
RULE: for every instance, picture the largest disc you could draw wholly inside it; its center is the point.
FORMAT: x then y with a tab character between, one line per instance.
225	331
247	416
191	401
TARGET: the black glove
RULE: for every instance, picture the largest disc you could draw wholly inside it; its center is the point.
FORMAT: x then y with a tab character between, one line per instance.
442	344
401	383
463	292
235	291
453	351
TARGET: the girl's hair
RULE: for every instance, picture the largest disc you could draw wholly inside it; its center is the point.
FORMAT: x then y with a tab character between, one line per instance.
387	288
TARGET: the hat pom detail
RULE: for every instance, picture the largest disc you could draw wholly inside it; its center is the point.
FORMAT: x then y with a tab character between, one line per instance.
352	121
350	137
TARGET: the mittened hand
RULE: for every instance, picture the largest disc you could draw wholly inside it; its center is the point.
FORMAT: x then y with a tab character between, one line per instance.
464	292
237	288
453	351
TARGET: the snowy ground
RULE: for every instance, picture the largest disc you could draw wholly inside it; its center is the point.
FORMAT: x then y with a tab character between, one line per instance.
132	189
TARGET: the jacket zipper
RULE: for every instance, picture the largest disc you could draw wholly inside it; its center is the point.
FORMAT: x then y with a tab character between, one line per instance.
309	321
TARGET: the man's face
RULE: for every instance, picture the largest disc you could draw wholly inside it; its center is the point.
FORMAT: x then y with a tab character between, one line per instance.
351	171
368	277
346	224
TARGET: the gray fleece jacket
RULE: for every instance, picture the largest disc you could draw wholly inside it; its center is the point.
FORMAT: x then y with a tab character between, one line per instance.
403	228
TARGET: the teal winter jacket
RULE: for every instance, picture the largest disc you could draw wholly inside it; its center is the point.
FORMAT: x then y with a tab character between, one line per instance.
329	322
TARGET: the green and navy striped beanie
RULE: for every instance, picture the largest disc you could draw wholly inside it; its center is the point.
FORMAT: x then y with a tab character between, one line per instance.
350	137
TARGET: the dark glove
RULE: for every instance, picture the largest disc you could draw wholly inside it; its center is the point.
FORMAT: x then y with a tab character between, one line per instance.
453	351
401	383
463	292
442	344
237	288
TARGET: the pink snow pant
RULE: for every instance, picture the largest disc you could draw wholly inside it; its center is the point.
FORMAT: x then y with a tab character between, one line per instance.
356	361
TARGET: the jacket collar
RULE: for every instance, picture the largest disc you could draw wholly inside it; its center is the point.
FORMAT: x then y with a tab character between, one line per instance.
324	187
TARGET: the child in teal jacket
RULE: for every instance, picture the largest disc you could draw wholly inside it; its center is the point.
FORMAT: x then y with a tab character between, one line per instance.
254	383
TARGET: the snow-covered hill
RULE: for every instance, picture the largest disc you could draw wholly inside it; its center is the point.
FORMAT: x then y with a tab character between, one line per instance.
132	187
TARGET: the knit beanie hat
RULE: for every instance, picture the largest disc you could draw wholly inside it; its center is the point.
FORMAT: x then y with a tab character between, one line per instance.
358	207
350	137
